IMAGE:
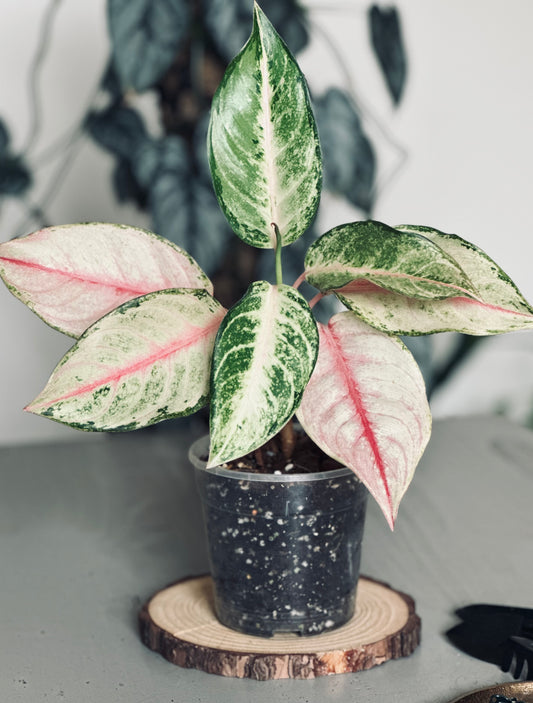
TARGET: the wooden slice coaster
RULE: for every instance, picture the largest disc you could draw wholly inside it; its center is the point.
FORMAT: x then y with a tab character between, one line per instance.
179	622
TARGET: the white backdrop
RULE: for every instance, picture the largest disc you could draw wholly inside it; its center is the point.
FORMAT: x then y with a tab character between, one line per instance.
459	147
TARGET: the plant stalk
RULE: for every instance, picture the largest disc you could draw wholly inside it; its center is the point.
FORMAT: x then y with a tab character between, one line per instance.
288	439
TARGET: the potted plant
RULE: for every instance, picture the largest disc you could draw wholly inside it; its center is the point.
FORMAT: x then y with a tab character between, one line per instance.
153	343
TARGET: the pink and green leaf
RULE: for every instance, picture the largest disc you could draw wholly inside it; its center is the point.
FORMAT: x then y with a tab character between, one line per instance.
264	355
498	308
402	262
366	406
147	360
72	275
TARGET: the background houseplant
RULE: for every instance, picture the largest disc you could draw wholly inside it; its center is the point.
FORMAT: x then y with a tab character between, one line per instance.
148	325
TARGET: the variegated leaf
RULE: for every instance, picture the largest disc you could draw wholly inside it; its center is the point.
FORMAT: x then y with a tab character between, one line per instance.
263	144
404	262
72	275
264	355
146	361
366	406
500	306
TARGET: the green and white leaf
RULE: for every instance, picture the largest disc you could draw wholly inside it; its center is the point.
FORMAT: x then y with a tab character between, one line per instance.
403	262
263	145
500	306
146	361
71	275
264	355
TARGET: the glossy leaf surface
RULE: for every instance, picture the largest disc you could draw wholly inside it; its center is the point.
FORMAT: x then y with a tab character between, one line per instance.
500	306
366	406
146	361
264	355
263	145
404	262
71	275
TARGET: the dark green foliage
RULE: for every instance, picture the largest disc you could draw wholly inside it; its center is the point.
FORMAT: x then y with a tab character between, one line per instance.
126	186
183	206
386	35
118	129
348	155
146	35
229	23
4	137
15	178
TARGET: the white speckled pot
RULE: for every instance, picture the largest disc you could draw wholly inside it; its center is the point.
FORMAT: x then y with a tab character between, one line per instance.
284	549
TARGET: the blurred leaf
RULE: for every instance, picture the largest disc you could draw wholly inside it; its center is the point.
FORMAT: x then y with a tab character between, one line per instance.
15	178
388	46
230	23
348	156
111	82
200	150
126	186
422	350
4	137
118	129
183	206
154	156
146	35
186	212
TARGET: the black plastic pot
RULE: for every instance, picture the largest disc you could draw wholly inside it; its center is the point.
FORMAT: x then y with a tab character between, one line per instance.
284	549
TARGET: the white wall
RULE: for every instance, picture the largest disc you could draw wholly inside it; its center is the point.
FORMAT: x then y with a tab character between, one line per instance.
464	123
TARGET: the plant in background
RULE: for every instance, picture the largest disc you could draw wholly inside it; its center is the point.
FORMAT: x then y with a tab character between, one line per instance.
153	343
172	54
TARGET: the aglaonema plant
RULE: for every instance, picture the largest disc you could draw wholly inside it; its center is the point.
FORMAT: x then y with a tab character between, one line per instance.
153	343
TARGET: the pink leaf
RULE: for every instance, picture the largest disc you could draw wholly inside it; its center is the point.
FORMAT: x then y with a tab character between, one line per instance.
366	406
72	275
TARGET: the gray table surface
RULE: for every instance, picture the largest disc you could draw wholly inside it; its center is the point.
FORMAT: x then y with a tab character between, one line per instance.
89	530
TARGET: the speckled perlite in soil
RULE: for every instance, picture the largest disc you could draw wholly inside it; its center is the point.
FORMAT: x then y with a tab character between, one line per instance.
284	549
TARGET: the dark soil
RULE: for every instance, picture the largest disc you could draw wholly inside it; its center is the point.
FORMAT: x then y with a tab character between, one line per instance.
306	458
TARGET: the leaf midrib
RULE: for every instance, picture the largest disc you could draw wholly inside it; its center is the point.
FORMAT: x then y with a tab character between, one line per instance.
271	178
195	336
362	291
109	283
355	396
367	273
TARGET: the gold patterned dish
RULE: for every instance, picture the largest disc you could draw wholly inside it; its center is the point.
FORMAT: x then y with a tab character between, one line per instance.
522	691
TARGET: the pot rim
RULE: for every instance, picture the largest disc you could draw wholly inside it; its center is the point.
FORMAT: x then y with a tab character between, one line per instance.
201	446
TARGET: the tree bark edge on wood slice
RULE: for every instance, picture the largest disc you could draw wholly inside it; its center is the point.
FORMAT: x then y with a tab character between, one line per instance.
159	615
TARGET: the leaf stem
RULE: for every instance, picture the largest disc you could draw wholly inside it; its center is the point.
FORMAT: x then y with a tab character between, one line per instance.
315	300
288	439
298	282
279	271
